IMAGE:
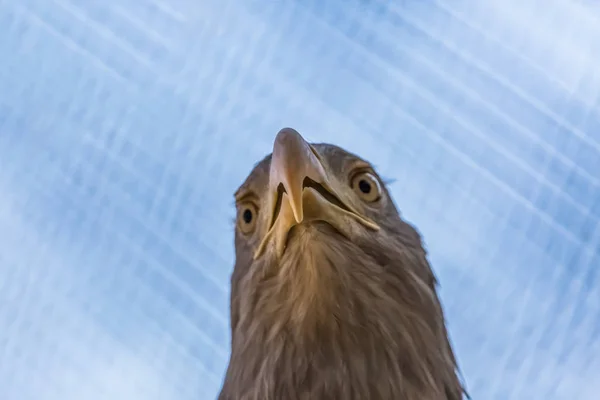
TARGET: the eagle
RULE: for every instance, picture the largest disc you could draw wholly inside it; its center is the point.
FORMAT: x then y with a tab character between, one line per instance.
332	294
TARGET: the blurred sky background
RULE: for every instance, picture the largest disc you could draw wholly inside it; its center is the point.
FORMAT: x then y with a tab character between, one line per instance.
126	125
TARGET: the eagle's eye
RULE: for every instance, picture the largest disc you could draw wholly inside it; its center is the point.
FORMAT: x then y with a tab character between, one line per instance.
366	186
247	217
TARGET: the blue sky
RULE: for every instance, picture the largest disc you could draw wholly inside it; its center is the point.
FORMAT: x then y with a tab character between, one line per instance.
125	127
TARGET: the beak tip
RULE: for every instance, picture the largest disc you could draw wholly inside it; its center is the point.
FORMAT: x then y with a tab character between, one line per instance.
298	216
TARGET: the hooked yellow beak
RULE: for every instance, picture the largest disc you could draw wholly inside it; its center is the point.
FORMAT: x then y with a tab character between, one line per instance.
301	191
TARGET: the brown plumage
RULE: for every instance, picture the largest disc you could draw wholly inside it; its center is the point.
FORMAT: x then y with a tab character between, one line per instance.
332	296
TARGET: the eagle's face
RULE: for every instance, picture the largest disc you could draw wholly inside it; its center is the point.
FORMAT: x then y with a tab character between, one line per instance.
308	211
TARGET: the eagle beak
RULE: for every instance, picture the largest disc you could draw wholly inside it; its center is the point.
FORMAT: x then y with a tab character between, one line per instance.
294	164
301	190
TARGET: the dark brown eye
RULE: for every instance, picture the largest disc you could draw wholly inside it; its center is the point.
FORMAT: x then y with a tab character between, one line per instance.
247	217
366	186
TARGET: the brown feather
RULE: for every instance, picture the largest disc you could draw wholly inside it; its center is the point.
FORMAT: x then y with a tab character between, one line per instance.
337	317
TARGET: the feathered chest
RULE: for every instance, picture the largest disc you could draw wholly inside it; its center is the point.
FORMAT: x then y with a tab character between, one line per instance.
354	365
351	340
